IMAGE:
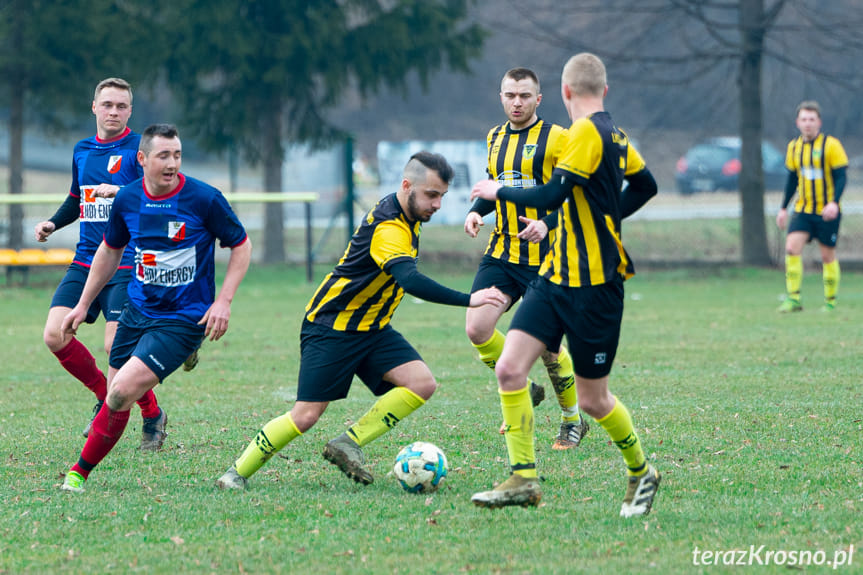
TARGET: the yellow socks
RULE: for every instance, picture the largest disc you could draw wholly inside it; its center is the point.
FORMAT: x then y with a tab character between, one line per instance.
518	419
831	282
273	437
562	378
489	352
793	276
391	408
618	425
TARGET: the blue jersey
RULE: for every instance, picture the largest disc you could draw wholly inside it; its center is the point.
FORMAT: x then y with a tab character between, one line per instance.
173	238
97	162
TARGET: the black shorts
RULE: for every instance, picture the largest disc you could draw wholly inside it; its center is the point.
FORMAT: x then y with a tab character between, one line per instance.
511	279
109	302
329	359
813	224
589	316
162	344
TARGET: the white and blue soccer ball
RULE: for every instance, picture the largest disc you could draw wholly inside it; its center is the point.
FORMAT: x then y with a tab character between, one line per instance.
420	467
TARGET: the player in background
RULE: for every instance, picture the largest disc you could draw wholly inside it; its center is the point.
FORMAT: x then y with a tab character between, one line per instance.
347	330
816	165
580	289
101	164
173	222
521	153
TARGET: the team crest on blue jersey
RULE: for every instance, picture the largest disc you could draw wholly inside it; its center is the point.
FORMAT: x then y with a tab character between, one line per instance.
177	231
529	151
114	164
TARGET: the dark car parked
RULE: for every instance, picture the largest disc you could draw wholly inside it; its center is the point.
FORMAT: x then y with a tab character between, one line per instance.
714	164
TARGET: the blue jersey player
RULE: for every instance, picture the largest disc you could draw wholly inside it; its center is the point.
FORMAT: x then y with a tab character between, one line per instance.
101	164
172	223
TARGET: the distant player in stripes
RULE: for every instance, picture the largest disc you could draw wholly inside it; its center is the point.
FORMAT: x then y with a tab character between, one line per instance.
580	291
347	331
172	222
101	164
521	153
816	165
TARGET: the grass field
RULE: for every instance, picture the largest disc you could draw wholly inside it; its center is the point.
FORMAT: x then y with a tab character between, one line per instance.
753	418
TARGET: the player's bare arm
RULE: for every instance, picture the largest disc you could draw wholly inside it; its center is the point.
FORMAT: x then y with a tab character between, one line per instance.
104	265
218	315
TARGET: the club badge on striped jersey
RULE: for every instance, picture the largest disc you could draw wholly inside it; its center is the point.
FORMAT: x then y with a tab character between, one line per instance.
529	151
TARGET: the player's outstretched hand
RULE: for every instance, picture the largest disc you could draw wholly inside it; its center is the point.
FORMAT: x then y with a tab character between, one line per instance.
472	223
535	231
216	320
490	296
43	230
485	189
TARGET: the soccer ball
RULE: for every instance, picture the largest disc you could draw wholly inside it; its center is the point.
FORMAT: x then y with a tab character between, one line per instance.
420	467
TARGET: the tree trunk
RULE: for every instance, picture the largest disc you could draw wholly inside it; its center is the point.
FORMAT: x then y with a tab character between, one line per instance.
753	233
274	223
18	85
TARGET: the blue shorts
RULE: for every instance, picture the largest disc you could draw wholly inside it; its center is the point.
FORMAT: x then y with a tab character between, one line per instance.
813	224
590	317
162	344
511	279
329	359
110	300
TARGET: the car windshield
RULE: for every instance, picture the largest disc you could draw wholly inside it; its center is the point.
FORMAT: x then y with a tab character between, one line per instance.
710	155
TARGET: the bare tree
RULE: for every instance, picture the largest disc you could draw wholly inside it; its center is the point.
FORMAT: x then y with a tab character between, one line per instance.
693	64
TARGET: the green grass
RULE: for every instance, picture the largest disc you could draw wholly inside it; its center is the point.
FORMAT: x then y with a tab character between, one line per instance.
753	418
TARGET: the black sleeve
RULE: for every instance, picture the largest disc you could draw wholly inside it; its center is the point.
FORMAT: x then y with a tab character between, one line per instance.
67	213
839	179
642	187
548	196
482	207
551	220
790	188
407	275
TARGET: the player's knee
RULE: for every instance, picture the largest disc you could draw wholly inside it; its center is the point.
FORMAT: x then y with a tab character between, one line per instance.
305	417
117	400
475	333
595	403
53	338
424	387
509	374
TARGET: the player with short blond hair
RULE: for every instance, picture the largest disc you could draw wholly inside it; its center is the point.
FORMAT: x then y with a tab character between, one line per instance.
579	293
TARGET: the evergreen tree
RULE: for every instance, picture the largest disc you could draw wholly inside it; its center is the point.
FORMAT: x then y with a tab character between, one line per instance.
252	75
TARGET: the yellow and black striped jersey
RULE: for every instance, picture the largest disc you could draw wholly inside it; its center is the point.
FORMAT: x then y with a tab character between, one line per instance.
359	295
814	163
522	159
587	249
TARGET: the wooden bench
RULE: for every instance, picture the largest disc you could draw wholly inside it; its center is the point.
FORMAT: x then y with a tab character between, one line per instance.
21	261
